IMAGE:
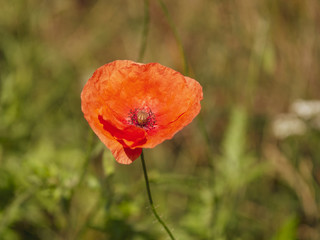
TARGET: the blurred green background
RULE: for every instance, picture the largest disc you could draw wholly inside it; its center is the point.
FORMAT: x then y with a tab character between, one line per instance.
248	167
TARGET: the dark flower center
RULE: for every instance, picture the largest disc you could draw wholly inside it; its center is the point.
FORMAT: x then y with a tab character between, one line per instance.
142	117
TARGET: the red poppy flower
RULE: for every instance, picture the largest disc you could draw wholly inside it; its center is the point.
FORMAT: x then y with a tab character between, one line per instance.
131	106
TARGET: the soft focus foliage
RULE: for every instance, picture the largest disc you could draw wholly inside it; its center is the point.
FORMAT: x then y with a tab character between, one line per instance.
229	175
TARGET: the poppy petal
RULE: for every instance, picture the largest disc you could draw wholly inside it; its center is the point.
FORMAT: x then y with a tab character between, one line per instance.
191	109
122	154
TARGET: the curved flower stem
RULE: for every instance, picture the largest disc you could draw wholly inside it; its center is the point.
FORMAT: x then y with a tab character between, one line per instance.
150	198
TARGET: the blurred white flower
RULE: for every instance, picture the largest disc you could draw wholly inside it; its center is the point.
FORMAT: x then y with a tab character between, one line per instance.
286	125
306	109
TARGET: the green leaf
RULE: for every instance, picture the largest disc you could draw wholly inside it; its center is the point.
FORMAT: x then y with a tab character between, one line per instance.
108	163
235	139
288	230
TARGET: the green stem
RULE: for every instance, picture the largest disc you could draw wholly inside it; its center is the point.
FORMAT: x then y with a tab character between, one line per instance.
85	165
80	181
145	31
87	158
176	36
150	198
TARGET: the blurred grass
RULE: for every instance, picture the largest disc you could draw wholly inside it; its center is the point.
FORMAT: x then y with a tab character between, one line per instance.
235	181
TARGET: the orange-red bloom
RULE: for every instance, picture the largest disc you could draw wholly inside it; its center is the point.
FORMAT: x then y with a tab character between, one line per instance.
131	106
